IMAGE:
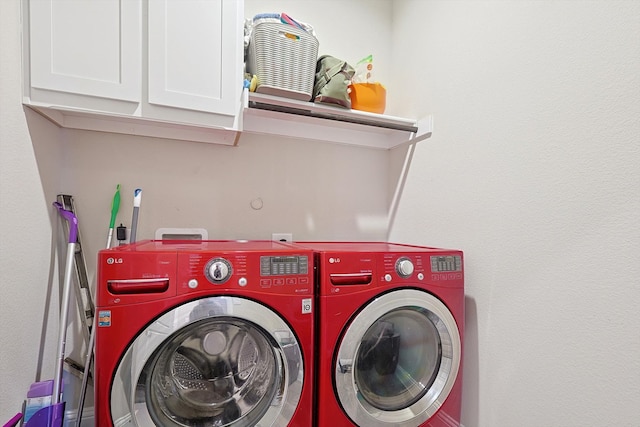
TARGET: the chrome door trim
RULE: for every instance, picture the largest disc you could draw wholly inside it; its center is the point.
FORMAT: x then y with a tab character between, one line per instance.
357	408
128	408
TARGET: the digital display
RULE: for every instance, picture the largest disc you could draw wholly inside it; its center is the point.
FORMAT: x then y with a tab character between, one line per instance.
283	265
446	263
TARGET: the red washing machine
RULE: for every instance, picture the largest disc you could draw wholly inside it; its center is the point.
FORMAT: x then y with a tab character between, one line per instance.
390	328
204	333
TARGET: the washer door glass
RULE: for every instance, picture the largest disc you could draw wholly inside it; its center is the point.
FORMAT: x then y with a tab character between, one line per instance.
215	372
217	361
398	360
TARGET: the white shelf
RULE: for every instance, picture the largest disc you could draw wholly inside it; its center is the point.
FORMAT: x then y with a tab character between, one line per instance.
134	125
267	114
261	114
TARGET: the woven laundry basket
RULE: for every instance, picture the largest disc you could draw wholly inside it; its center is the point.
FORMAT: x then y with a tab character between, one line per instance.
284	59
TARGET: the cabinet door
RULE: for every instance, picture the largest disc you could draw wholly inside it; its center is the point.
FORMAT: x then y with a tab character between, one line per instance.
196	54
86	48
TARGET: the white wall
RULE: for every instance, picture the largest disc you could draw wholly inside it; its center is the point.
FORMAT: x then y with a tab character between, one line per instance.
533	171
25	230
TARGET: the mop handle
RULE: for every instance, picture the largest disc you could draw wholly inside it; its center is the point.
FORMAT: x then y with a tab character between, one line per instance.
137	198
71	219
66	295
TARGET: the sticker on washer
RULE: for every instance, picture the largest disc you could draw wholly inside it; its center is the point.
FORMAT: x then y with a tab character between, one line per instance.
104	318
307	306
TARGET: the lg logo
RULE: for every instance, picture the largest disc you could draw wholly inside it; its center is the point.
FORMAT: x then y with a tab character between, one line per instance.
334	260
114	261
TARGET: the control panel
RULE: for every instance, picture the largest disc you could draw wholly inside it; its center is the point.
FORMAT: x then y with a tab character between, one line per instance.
283	273
401	267
421	267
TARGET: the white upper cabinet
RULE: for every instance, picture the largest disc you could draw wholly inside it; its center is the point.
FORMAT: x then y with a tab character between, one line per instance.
195	55
165	68
83	54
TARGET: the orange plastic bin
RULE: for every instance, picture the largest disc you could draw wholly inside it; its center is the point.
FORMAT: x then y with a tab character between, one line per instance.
371	97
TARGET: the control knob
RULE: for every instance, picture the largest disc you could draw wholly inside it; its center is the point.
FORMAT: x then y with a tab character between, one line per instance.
218	270
404	267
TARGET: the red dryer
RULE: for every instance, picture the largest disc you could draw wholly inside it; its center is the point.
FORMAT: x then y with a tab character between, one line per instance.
390	330
204	333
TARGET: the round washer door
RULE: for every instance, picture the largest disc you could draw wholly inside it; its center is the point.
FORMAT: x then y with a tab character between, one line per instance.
398	360
217	361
